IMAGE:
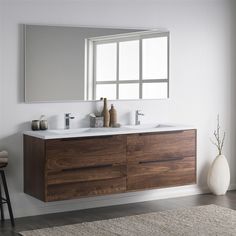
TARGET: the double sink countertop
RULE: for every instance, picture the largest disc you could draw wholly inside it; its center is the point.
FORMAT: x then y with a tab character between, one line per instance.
90	132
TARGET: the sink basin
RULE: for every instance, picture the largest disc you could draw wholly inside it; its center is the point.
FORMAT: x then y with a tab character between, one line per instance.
109	129
86	130
148	126
69	131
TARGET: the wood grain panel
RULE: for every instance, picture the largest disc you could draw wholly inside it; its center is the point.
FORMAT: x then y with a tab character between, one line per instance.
160	146
176	178
61	169
34	167
83	189
85	174
84	152
161	174
142	169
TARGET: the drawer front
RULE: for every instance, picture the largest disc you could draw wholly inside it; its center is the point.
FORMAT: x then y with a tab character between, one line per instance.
161	146
85	189
146	175
102	172
85	152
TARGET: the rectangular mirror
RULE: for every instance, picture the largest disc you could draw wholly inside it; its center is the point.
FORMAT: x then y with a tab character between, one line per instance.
80	63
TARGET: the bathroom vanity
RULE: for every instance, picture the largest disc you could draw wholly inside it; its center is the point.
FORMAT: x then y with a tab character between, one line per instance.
61	165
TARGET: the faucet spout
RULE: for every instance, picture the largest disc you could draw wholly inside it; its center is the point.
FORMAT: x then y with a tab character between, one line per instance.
67	120
138	113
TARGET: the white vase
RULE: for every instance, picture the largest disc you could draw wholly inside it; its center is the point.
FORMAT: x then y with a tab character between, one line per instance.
219	176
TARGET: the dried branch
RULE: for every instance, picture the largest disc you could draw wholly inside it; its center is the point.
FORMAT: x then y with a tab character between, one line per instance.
222	142
219	142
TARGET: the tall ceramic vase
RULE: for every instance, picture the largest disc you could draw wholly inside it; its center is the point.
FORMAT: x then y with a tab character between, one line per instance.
219	176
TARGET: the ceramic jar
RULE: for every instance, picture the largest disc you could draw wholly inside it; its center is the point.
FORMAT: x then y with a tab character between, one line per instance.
219	176
35	125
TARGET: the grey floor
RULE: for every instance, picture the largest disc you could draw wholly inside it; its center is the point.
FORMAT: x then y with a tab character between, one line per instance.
58	219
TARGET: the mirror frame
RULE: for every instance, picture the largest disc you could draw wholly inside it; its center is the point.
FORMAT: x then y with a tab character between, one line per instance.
164	32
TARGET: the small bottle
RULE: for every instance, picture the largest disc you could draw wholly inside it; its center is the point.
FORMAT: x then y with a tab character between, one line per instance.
113	116
105	114
43	123
35	125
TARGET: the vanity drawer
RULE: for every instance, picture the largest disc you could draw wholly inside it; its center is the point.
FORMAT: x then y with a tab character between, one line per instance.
85	152
85	189
161	146
146	175
102	172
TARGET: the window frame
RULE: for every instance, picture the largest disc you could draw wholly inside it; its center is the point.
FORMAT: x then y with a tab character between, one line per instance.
91	61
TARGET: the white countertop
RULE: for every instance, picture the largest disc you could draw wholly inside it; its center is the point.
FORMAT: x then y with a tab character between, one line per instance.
90	132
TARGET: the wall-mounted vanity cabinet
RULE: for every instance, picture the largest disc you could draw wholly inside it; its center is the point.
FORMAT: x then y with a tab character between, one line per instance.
69	168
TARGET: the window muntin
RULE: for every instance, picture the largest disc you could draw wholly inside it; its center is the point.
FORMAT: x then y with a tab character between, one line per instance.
131	65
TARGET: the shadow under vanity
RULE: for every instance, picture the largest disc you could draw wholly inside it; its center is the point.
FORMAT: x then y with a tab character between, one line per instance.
90	163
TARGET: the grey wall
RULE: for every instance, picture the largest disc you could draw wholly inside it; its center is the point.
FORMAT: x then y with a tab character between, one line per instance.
1	62
55	61
201	83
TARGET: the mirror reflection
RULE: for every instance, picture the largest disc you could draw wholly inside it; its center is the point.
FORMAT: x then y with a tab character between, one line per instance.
81	63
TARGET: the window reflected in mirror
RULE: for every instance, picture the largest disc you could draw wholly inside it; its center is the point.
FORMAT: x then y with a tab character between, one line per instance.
135	64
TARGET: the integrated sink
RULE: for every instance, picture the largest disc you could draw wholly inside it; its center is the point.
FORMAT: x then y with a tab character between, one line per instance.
106	130
86	130
148	126
69	131
109	129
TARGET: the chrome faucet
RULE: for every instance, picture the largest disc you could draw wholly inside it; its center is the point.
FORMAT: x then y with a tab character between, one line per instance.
137	114
67	120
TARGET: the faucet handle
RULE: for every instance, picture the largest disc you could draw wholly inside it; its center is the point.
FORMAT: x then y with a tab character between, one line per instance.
67	115
139	112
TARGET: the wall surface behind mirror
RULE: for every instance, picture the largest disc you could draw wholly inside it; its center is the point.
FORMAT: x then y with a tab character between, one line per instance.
200	83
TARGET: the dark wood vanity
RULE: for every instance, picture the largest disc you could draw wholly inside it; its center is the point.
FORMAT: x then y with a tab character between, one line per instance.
68	168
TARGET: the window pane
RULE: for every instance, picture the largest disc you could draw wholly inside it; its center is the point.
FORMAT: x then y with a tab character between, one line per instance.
106	62
106	91
129	91
129	60
155	56
155	90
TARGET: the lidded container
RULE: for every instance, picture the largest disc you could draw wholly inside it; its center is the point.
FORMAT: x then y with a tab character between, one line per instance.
113	116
